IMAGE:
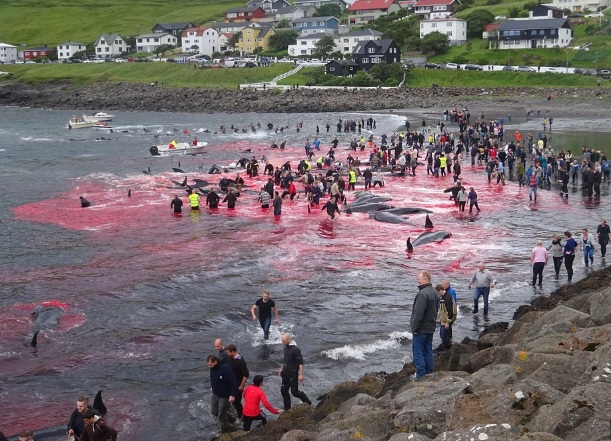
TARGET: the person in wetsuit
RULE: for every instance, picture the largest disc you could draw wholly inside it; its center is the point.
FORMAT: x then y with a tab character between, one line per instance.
231	198
176	204
331	207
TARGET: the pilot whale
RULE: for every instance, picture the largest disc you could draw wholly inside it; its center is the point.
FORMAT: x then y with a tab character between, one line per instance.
427	237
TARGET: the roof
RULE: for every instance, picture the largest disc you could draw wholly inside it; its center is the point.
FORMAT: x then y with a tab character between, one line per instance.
434	2
309	19
491	27
154	35
316	36
108	37
71	43
6	45
363	33
437	20
288	10
360	5
175	26
199	31
39	49
535	23
382	45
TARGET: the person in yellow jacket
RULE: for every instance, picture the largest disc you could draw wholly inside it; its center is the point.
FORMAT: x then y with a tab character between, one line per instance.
443	163
351	179
193	200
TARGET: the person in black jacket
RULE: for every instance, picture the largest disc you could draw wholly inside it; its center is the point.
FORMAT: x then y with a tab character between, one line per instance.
212	200
291	372
76	423
237	364
423	324
224	389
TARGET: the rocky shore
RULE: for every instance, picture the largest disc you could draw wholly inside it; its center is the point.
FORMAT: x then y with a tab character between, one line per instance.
148	97
545	378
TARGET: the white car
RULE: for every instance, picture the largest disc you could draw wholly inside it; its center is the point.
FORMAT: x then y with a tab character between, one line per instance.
98	60
595	14
119	60
452	66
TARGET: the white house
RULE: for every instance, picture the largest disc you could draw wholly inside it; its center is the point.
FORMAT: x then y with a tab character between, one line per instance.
454	28
305	45
8	53
347	42
67	50
110	45
150	42
201	40
581	5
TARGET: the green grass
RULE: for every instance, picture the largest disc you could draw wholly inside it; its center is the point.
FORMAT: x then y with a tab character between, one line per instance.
170	74
38	22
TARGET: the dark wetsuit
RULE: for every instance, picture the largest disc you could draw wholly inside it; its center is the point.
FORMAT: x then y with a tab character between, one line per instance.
331	209
231	199
212	200
176	204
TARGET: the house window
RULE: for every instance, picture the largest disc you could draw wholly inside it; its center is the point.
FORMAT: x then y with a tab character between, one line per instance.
304	43
99	49
346	40
107	49
439	8
321	24
371	50
433	25
331	69
449	33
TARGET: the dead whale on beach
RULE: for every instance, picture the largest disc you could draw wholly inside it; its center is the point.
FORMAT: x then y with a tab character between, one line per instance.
387	217
366	207
427	237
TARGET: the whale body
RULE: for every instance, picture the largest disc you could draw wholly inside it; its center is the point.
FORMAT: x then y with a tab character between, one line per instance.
427	237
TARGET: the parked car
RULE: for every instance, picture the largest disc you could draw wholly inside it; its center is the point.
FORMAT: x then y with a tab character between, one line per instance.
595	14
577	21
473	67
526	69
605	73
119	60
508	68
591	72
553	70
452	66
432	66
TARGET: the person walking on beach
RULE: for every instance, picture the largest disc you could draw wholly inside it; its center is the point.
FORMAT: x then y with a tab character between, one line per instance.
266	307
483	281
237	364
447	316
423	324
603	237
291	372
538	260
586	243
472	196
223	390
253	395
569	254
557	253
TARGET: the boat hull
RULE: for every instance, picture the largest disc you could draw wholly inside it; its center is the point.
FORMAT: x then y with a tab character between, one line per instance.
98	117
182	148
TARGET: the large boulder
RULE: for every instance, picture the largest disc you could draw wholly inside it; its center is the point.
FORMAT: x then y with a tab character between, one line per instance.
559	320
428	404
368	424
487	432
494	376
599	307
299	435
412	436
560	371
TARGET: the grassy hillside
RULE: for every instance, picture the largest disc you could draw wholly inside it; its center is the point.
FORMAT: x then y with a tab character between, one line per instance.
168	74
39	22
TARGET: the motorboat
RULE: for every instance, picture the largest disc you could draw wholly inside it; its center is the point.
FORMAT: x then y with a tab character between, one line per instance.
102	125
178	148
78	123
98	117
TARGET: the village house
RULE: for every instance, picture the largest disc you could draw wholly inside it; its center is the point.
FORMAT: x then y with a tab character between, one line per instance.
531	33
363	11
34	53
581	5
454	28
150	42
347	42
269	6
109	46
254	36
8	53
202	40
369	53
436	8
244	14
174	29
314	25
291	13
318	3
305	45
67	50
342	68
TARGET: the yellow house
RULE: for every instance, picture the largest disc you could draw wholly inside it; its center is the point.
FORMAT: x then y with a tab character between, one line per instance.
254	36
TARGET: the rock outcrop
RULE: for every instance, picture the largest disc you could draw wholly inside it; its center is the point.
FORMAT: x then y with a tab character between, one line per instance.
151	97
546	378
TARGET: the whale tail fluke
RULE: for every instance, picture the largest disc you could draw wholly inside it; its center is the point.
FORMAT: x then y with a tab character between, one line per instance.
98	404
428	223
34	341
410	247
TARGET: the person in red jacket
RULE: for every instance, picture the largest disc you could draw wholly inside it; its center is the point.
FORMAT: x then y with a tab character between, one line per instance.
253	395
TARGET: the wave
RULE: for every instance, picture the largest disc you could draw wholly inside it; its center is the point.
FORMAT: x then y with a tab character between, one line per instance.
31	138
359	352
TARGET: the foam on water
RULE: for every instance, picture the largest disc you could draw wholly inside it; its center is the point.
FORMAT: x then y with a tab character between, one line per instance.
360	351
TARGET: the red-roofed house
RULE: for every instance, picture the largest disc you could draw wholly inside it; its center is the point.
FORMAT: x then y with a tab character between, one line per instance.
244	14
490	30
436	8
201	40
362	11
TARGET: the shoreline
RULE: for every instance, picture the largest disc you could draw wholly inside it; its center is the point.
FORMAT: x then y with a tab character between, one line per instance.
143	97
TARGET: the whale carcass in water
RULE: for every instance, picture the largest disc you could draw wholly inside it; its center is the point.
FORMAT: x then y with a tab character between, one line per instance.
385	216
44	317
427	237
364	208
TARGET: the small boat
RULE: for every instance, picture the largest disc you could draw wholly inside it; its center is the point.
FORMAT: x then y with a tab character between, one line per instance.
102	125
77	123
98	117
178	148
